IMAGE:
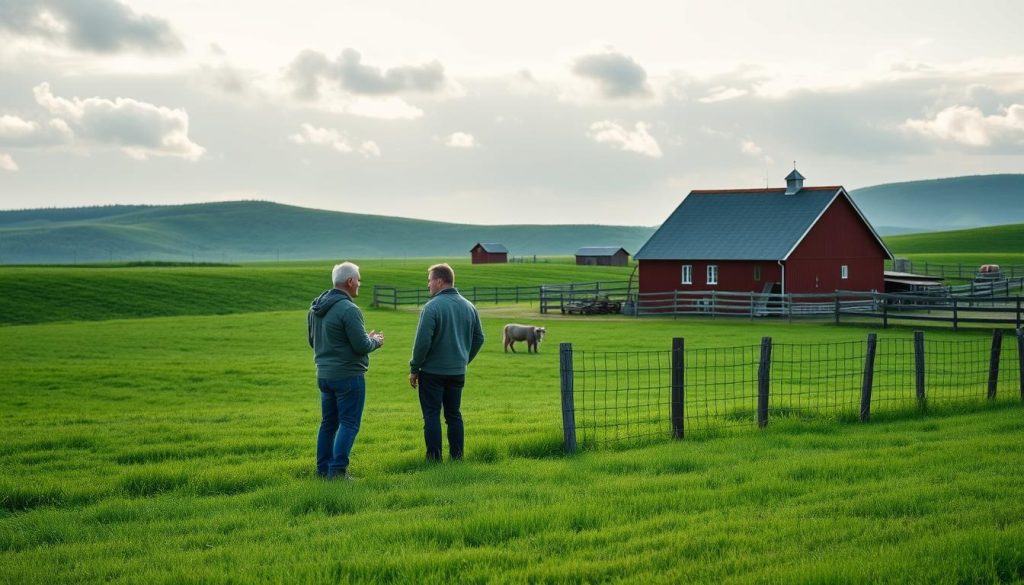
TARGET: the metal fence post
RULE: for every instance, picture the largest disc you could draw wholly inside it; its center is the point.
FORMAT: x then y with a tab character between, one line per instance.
678	388
568	402
954	314
869	377
763	381
993	364
885	313
837	307
919	368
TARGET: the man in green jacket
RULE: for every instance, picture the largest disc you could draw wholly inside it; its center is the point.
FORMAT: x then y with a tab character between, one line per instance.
341	348
448	337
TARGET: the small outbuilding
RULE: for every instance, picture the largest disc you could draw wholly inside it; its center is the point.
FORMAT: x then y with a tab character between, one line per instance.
489	253
602	256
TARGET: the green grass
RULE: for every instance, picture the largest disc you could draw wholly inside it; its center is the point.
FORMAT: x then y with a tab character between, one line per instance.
40	294
180	449
997	240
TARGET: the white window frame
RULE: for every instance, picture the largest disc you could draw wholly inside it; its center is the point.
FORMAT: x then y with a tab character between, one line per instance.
844	272
712	273
687	274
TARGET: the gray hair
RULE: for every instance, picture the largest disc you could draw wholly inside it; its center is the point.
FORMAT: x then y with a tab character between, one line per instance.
343	272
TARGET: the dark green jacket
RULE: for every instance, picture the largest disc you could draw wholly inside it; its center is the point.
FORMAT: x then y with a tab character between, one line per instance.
338	337
448	336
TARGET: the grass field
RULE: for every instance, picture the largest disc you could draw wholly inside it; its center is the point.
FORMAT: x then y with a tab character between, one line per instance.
148	437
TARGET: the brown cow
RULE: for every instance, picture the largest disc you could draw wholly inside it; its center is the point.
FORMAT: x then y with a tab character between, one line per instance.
528	333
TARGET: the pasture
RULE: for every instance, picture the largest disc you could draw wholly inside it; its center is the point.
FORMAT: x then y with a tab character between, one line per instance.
157	425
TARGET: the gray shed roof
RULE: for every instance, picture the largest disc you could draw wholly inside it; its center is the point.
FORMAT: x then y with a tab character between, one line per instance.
492	248
600	251
750	224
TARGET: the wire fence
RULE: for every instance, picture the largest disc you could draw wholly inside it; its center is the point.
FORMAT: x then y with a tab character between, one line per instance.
616	397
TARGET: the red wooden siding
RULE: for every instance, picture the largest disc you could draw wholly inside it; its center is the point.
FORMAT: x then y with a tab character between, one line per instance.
839	238
733	275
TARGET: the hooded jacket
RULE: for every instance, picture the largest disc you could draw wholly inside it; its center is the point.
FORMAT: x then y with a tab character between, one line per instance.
338	337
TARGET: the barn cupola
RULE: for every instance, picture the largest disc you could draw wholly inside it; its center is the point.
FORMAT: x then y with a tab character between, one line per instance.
794	182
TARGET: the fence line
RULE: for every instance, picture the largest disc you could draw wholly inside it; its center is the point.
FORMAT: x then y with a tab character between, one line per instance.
952	271
390	296
610	397
982	307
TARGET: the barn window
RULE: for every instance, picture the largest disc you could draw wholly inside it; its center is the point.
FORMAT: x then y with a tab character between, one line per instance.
712	274
757	273
687	274
844	272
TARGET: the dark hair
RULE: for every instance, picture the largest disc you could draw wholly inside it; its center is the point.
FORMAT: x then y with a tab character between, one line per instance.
444	272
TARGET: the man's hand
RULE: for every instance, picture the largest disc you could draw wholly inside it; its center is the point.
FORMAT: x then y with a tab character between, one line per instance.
414	380
377	336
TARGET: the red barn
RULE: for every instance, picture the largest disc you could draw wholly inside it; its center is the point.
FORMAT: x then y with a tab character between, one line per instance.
793	240
489	254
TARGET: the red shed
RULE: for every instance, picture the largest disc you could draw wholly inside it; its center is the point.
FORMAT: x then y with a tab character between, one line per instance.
489	253
793	240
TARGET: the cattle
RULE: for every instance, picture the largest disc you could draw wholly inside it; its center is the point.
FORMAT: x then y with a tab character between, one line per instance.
528	333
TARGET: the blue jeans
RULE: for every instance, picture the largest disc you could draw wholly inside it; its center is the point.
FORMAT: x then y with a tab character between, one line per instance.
341	402
437	392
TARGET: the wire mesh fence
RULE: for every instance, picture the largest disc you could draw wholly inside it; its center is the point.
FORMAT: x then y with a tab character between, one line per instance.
616	397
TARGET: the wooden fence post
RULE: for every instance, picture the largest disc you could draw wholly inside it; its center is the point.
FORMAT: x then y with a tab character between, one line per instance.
1020	359
919	368
1018	312
885	313
568	401
678	387
837	307
993	363
954	314
763	381
869	377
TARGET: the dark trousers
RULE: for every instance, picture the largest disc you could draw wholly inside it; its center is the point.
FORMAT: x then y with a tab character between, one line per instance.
437	392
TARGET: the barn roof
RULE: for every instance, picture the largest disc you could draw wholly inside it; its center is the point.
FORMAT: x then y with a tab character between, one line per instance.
742	224
492	248
600	251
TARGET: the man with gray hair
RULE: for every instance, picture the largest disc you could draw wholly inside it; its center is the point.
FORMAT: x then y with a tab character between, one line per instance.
341	349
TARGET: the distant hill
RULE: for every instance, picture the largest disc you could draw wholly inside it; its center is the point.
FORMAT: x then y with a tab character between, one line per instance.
943	204
256	230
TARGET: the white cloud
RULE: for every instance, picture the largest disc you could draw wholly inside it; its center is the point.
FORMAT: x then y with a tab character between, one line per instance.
639	140
331	138
721	94
7	163
15	131
461	140
971	127
138	129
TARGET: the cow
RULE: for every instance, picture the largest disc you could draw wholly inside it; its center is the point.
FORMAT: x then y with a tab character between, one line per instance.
528	333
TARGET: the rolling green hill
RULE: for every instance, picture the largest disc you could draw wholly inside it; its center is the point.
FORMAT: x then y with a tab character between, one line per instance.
998	239
258	230
943	204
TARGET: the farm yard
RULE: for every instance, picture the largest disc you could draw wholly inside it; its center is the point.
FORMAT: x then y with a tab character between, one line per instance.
157	425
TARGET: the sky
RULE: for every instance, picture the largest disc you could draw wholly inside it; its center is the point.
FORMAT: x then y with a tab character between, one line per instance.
493	113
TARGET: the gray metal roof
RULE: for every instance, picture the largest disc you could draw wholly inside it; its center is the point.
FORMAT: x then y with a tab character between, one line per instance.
600	251
492	248
759	224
